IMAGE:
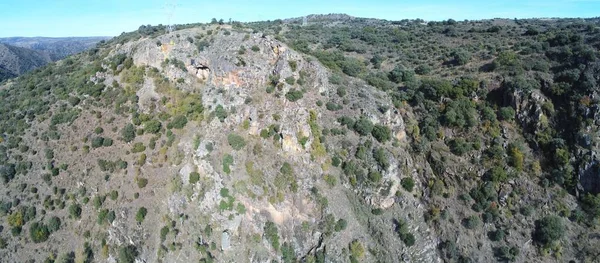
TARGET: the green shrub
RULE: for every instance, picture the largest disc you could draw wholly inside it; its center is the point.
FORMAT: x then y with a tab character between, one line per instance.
164	231
497	235
38	232
363	126
271	234
178	122
220	113
381	133
293	65
333	106
138	147
330	180
506	254
340	225
54	224
97	142
75	211
127	254
548	229
98	130
128	132
290	80
461	57
294	95
506	113
423	69
407	183
375	176
194	177
459	146
102	216
471	222
141	182
49	153
235	141
402	229
255	48
111	216
114	195
152	126
141	214
381	158
357	251
227	162
106	142
496	174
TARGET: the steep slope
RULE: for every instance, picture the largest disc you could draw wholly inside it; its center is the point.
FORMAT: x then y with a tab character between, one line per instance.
16	60
229	152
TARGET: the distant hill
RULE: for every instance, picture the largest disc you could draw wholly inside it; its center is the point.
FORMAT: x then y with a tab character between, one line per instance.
15	61
56	47
22	54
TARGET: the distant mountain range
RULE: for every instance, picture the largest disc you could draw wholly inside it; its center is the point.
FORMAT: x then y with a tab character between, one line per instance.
22	54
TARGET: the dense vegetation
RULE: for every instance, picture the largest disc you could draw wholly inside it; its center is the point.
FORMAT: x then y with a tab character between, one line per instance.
516	98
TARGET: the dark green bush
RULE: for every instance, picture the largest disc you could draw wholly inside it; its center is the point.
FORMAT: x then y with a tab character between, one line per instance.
294	95
127	254
407	183
97	142
128	132
54	224
220	113
271	234
363	126
194	177
141	214
382	133
178	122
38	232
152	126
235	141
471	222
548	229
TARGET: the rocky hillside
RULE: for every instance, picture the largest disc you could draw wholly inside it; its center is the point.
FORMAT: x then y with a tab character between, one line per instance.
339	140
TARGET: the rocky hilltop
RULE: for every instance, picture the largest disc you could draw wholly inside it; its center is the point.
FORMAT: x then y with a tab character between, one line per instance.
331	139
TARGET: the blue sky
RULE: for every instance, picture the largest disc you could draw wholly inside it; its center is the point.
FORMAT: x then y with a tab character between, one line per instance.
111	17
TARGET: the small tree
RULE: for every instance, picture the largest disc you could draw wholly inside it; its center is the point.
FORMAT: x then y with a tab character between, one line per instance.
38	232
54	224
141	214
407	183
127	254
294	95
461	57
194	177
235	141
178	122
271	234
363	126
128	133
381	133
548	229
